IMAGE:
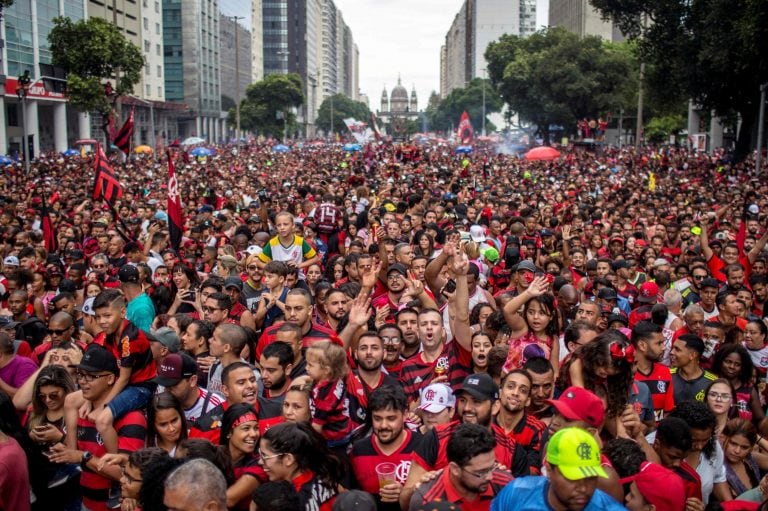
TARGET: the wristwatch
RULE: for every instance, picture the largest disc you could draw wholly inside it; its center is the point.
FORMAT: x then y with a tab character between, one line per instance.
87	455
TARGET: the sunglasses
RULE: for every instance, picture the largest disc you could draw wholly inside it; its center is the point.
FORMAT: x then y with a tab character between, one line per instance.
54	331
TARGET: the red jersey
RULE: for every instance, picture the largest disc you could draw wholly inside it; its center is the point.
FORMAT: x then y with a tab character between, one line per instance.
366	455
441	489
659	383
209	425
330	409
316	333
131	350
314	493
248	467
528	434
416	373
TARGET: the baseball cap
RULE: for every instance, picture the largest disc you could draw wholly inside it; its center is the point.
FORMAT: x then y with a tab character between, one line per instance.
649	293
491	254
354	500
579	404
576	454
11	261
174	368
659	487
128	273
546	232
233	281
617	239
97	359
253	249
477	233
621	263
399	268
525	265
660	262
618	317
7	322
607	293
437	397
710	282
87	306
480	386
166	336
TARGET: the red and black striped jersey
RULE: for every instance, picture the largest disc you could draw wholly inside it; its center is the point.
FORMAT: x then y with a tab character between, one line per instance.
314	493
209	425
366	455
131	348
248	467
416	373
659	383
316	333
330	409
131	435
442	489
530	434
431	453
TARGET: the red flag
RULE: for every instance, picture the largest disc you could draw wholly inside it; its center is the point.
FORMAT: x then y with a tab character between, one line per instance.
106	185
49	238
466	133
175	218
123	137
374	124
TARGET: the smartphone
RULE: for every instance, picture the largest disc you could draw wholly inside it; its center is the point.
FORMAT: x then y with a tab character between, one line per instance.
450	286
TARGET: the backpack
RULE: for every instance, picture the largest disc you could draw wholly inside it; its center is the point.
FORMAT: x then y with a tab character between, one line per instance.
327	218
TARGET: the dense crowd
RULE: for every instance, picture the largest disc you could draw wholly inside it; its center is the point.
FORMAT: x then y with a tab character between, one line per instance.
400	327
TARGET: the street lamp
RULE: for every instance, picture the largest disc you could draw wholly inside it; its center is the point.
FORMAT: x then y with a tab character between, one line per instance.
237	83
483	130
21	91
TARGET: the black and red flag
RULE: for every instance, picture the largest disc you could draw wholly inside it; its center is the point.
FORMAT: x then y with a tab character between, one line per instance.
106	185
175	217
49	237
123	137
466	133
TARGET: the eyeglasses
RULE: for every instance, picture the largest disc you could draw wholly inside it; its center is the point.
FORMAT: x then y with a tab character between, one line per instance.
53	396
252	267
88	378
270	456
482	474
54	331
99	266
128	478
717	396
699	277
390	340
394	276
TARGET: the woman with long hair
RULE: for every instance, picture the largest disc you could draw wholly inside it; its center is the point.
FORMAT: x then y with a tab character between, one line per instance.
720	397
297	453
732	362
185	287
423	244
166	423
296	403
743	466
240	441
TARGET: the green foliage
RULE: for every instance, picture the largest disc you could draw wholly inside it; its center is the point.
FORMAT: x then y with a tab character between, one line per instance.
93	51
555	77
659	129
4	4
343	108
712	51
448	112
267	101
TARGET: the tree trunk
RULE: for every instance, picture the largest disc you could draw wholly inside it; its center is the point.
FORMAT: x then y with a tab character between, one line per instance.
744	139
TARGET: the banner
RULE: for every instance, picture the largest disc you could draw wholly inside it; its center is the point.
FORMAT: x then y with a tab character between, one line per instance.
466	133
106	185
360	130
175	217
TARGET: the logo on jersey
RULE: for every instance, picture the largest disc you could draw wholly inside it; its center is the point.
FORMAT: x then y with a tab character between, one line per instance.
662	386
401	472
125	347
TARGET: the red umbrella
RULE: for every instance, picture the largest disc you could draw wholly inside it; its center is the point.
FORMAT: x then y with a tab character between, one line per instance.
542	153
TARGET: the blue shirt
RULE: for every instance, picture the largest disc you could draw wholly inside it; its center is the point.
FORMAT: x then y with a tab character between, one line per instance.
530	494
141	312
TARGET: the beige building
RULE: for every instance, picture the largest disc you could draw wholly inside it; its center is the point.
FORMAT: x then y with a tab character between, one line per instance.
579	17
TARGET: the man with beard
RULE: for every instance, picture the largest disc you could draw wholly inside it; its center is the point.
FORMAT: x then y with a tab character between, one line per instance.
392	338
336	306
512	419
239	385
401	289
390	442
471	479
407	320
542	387
276	364
178	373
648	341
475	401
368	376
691	294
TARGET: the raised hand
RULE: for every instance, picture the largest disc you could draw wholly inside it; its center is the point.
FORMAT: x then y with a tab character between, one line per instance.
538	287
360	310
460	263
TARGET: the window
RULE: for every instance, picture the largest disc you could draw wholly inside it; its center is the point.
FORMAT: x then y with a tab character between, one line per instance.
157	28
159	92
146	68
158	50
147	46
149	90
146	24
159	71
157	7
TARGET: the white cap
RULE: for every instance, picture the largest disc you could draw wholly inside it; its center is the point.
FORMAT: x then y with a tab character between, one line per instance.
253	249
477	233
11	261
87	307
437	397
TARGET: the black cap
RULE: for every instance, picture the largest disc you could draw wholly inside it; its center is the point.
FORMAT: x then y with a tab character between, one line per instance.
618	317
174	368
621	263
399	268
710	282
128	273
7	322
97	359
607	293
233	281
479	386
76	253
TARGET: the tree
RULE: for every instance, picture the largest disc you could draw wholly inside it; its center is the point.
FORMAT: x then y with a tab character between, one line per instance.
446	115
343	108
712	51
555	77
267	106
92	52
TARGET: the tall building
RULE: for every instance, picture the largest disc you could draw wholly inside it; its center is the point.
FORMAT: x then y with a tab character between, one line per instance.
236	61
192	65
477	24
579	17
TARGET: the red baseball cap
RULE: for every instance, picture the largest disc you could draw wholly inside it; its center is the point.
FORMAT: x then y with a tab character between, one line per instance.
659	486
649	293
579	404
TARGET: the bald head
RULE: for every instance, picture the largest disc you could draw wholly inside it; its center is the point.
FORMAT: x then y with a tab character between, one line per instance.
63	319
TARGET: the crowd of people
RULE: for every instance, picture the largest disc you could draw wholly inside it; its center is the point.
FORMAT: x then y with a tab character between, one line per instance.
386	329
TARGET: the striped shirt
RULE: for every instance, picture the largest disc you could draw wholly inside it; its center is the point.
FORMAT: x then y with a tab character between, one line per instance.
330	409
416	373
316	333
131	434
530	434
442	489
131	350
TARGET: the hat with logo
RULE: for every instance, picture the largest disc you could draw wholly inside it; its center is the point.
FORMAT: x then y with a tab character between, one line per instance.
649	293
174	368
437	397
579	404
659	487
166	336
491	254
607	293
399	268
129	273
253	249
477	233
97	359
576	454
87	306
480	386
7	322
11	261
233	281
